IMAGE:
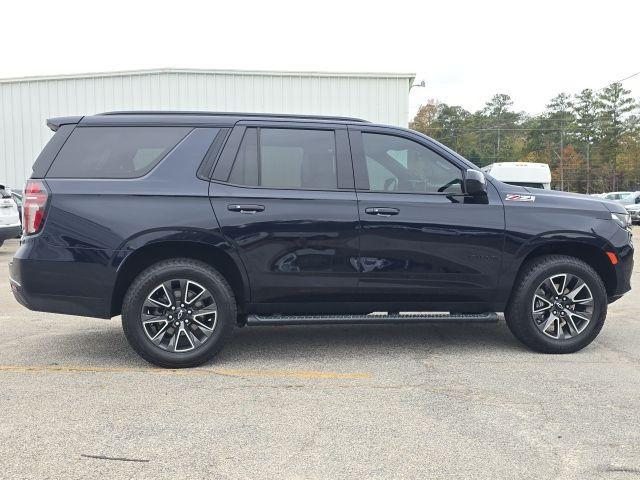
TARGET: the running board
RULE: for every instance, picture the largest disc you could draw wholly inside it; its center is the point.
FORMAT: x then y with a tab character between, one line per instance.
373	318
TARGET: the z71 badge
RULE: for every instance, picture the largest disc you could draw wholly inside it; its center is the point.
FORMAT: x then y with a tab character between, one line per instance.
520	198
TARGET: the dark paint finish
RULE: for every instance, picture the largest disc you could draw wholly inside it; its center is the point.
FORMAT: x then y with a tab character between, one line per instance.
434	247
302	251
301	246
92	226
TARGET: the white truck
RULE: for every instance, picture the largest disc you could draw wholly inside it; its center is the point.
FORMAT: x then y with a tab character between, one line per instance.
526	174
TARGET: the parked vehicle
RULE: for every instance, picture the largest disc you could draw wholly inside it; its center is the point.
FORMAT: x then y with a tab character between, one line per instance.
525	174
9	216
192	224
634	212
624	198
17	197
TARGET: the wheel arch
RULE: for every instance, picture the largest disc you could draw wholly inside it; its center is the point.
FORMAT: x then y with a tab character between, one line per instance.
592	255
147	255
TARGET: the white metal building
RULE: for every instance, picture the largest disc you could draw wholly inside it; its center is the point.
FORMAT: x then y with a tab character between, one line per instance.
26	103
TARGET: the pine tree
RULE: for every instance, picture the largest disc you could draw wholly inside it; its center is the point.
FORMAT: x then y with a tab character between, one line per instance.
586	125
614	103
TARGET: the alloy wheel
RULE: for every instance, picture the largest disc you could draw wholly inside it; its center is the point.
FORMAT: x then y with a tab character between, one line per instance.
179	315
562	306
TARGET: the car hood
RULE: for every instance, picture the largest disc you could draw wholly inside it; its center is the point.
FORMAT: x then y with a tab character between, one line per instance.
574	199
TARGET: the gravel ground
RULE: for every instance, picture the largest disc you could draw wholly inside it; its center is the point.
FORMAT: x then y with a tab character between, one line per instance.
432	401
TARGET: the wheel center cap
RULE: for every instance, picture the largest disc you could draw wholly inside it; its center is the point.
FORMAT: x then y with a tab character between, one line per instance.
181	313
558	305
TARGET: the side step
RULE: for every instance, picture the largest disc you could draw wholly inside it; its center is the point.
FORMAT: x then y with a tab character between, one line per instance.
372	318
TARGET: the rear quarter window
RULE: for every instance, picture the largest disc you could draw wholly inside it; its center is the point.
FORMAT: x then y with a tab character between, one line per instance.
114	152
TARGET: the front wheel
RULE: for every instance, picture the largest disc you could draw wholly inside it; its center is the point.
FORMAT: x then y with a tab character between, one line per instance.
559	305
178	313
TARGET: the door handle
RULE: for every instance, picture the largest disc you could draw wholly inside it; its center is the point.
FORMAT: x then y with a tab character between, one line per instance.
245	208
381	211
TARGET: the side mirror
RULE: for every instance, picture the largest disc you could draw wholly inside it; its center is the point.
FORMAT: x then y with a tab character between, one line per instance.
474	183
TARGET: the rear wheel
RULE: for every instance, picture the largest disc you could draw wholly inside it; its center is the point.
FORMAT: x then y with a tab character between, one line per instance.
559	305
178	313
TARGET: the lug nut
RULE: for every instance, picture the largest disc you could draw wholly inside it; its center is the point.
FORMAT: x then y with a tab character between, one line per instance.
173	307
177	323
182	305
170	317
554	312
189	312
562	314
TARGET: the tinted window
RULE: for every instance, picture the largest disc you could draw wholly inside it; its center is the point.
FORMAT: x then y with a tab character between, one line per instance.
245	168
396	164
114	152
286	158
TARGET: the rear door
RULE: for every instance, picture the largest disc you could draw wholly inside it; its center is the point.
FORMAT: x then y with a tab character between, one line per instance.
423	240
284	196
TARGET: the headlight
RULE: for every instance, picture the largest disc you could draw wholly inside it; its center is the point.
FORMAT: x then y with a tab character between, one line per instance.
622	219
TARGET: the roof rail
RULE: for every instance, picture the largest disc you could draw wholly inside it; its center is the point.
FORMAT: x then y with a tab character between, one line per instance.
234	114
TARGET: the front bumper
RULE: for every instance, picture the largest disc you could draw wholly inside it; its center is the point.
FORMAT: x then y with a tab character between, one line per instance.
622	244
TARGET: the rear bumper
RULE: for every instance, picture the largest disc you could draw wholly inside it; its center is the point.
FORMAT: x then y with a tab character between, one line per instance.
10	231
65	285
83	306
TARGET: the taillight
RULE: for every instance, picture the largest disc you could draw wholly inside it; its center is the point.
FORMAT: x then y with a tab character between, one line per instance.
33	206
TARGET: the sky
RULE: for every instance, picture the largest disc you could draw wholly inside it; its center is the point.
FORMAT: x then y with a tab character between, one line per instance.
465	51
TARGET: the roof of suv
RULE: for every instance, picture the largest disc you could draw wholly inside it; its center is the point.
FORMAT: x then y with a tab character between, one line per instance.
236	114
191	118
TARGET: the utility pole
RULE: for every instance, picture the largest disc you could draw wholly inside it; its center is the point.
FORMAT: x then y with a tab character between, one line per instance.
588	165
562	155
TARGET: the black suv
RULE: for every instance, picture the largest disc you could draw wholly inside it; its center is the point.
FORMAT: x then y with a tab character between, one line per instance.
191	224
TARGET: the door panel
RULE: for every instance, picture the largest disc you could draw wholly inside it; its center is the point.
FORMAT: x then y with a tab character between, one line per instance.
424	247
297	244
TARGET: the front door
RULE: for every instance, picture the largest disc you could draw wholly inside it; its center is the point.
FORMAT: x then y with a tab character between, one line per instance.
423	240
284	197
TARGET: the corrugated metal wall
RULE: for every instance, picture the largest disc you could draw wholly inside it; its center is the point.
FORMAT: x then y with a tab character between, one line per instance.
25	104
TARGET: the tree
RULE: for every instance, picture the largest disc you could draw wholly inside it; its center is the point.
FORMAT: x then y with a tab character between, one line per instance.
591	140
560	114
425	117
614	103
585	110
498	117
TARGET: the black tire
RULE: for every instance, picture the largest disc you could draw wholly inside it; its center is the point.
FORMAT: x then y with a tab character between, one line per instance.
519	315
163	271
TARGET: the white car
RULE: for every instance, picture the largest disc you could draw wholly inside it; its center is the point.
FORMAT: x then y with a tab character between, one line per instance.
625	198
10	226
634	211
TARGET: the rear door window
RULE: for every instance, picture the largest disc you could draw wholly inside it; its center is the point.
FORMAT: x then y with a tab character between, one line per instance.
286	158
114	152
